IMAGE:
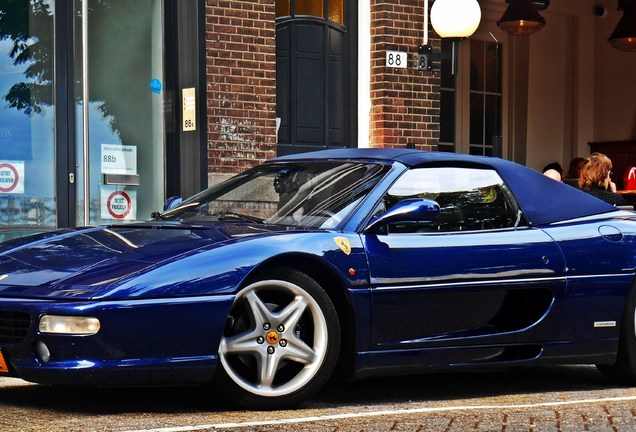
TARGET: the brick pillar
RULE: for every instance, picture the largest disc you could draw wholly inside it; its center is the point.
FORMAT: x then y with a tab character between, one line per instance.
404	102
241	83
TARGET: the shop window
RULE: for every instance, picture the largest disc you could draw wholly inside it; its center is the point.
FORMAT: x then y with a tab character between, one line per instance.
311	67
27	118
471	98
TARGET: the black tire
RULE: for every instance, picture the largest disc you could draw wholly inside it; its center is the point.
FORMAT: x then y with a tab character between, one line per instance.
280	344
624	370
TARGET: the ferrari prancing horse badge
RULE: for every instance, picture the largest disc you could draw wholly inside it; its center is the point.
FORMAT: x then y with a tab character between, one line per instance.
343	244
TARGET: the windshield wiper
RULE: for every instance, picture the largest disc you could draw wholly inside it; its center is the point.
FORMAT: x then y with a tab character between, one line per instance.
232	215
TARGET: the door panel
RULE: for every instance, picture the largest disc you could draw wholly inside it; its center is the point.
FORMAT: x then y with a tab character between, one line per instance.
310	74
430	289
312	54
473	273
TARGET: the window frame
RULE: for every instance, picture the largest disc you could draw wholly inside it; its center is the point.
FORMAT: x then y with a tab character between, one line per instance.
462	92
471	198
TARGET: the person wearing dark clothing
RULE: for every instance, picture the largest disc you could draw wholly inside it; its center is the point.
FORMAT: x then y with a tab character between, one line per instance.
595	180
574	171
576	165
608	197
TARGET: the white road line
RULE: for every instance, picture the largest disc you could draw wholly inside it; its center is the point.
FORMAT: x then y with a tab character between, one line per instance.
382	413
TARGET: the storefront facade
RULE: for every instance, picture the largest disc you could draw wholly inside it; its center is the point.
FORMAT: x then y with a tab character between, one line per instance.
89	131
181	94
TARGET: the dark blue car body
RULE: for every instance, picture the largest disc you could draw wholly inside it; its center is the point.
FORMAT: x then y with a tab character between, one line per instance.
552	289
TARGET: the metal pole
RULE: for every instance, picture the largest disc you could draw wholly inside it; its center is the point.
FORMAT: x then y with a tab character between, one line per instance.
86	103
425	22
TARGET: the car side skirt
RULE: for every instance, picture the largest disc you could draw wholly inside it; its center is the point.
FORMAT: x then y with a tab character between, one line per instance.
405	362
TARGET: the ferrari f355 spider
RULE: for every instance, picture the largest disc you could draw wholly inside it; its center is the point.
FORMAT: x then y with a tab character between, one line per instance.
357	261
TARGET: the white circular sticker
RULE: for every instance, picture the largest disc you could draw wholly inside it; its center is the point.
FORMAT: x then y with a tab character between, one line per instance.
119	204
9	177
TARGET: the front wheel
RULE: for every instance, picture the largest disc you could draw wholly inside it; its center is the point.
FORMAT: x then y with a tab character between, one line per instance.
281	342
624	370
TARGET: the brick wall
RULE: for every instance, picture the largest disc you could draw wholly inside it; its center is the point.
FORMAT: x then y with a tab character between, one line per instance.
404	102
241	83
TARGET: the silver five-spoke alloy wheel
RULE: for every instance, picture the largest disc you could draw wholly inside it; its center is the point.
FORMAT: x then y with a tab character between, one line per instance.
276	339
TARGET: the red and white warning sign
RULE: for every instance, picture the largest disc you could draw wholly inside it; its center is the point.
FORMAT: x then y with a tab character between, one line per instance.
11	177
118	204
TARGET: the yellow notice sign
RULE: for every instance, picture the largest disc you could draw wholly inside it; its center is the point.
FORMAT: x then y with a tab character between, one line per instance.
189	109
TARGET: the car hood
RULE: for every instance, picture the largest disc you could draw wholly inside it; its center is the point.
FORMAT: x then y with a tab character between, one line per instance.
79	263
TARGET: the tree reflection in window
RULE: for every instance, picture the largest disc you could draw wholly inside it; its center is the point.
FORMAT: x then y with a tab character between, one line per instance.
33	50
29	28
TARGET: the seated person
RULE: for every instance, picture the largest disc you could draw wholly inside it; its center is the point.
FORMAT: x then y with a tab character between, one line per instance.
595	180
574	171
553	174
554	166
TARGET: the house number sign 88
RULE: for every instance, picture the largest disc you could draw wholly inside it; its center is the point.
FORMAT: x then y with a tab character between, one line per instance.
396	59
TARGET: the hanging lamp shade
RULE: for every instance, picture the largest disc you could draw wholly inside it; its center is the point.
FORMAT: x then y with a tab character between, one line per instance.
521	18
624	36
455	19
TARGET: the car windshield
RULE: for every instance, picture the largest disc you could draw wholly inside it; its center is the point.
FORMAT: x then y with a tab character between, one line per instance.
301	194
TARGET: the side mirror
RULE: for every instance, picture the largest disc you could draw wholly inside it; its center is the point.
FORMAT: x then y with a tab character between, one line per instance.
172	202
408	210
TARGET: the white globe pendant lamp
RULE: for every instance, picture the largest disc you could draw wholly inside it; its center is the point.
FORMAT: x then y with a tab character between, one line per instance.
455	19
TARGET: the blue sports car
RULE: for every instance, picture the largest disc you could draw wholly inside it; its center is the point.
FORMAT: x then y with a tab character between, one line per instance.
357	261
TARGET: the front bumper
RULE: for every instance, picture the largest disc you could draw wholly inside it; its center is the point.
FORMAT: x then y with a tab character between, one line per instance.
140	342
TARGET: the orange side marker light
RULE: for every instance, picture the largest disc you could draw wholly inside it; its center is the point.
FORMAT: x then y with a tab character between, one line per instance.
3	365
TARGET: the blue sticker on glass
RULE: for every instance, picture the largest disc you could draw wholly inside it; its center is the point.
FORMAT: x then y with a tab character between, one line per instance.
155	86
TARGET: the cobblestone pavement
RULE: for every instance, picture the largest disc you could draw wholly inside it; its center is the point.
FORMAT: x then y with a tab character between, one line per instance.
603	416
528	399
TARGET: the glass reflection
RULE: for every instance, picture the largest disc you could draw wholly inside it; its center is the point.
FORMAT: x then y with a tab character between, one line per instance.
27	146
125	86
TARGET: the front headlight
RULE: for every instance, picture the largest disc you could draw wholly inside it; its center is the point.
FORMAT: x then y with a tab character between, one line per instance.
71	325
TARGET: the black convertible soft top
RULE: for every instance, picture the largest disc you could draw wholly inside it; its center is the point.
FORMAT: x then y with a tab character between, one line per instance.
542	199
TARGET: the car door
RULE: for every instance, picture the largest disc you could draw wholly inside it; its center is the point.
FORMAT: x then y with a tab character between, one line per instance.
476	275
